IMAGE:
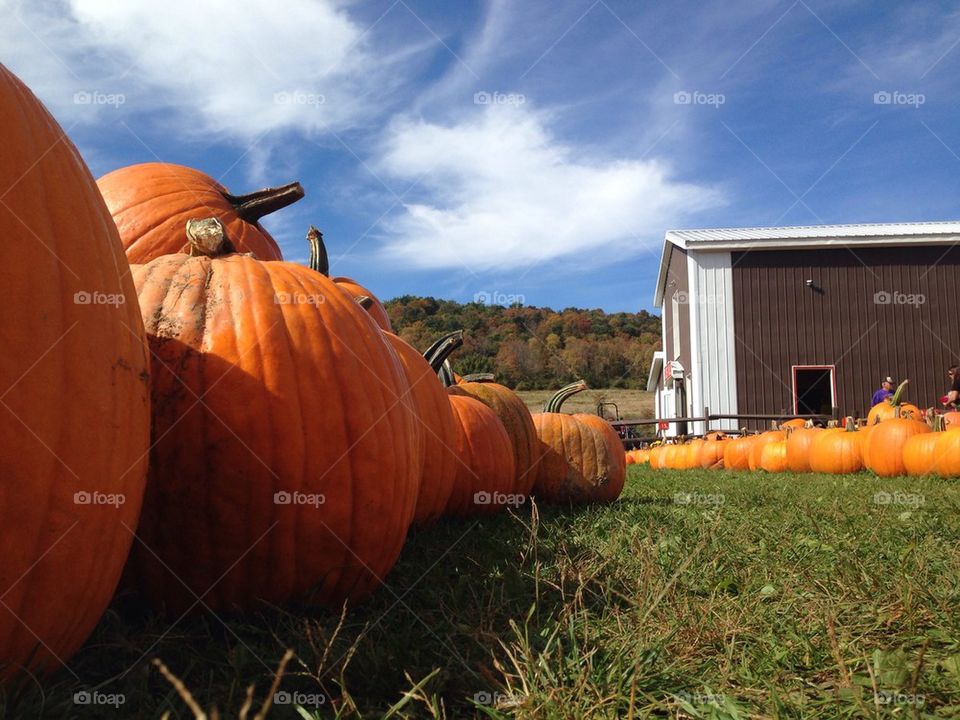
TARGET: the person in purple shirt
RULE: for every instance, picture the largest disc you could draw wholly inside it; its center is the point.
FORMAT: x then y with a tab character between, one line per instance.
885	391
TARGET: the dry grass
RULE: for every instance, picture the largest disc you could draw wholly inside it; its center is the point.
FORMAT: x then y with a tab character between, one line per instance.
633	404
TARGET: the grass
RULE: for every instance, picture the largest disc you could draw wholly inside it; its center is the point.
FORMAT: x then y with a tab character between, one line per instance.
633	404
698	594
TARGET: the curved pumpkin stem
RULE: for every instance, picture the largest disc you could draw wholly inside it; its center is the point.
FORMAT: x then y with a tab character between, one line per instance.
895	400
849	424
436	355
478	377
364	301
207	237
553	404
318	252
253	206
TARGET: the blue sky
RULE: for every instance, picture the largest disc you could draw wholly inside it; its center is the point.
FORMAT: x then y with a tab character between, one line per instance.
526	149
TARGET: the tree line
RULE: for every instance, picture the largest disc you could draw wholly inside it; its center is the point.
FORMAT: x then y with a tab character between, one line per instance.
531	348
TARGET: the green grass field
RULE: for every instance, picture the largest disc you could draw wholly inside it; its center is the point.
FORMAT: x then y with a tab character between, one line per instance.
698	594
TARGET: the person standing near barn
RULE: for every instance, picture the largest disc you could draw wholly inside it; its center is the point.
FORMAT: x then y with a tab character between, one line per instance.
952	398
885	391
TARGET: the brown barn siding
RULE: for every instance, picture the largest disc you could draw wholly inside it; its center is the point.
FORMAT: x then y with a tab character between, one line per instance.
781	322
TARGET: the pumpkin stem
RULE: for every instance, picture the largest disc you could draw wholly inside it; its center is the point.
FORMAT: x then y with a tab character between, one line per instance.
364	301
895	400
438	353
849	424
253	206
553	404
207	237
318	252
479	377
936	422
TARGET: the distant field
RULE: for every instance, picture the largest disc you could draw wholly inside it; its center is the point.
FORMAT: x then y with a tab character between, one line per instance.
632	403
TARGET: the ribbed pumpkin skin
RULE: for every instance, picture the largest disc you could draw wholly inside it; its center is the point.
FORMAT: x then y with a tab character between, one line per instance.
919	453
773	458
756	446
151	203
576	464
885	411
297	396
485	460
798	449
377	311
611	490
736	454
883	449
712	451
836	452
74	386
515	416
437	427
947	453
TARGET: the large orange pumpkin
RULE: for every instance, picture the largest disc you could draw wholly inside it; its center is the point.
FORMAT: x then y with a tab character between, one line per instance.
319	262
151	202
284	461
837	451
578	460
894	406
74	393
484	482
883	449
798	448
438	427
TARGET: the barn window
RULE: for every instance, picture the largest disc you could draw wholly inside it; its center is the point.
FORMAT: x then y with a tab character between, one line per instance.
814	389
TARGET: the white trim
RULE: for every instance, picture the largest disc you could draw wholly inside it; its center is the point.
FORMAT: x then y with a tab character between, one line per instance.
694	377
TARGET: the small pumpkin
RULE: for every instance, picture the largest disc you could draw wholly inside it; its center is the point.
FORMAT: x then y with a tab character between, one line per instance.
319	262
773	457
837	451
484	482
736	453
74	393
712	450
150	203
756	447
794	424
579	462
798	448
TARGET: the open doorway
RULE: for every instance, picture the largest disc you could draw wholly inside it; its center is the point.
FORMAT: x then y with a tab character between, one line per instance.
813	389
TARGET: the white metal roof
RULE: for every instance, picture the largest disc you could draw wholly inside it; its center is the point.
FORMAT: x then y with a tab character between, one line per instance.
656	366
803	237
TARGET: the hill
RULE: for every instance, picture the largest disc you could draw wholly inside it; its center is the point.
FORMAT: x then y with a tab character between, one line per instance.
531	348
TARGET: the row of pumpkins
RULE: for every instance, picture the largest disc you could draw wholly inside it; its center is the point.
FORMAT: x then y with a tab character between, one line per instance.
896	439
222	428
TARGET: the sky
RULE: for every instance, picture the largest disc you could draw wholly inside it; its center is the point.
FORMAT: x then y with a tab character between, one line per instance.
529	151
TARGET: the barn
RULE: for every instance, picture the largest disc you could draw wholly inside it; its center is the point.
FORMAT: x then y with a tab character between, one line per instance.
793	320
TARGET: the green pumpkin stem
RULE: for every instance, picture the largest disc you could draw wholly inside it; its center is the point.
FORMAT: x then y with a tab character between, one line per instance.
895	400
207	237
438	353
253	206
318	252
553	404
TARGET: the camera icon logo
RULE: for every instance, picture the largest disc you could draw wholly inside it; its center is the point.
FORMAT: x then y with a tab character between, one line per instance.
282	497
682	98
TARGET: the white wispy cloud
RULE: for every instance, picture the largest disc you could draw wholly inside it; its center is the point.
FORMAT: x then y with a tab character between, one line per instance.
503	192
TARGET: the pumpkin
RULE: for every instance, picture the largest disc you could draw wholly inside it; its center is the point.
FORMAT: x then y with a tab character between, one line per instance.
438	427
657	457
883	449
756	447
691	454
484	482
284	462
773	457
794	424
947	453
951	420
508	406
150	203
736	453
920	450
711	451
798	448
74	395
888	408
320	263
579	460
641	456
837	451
